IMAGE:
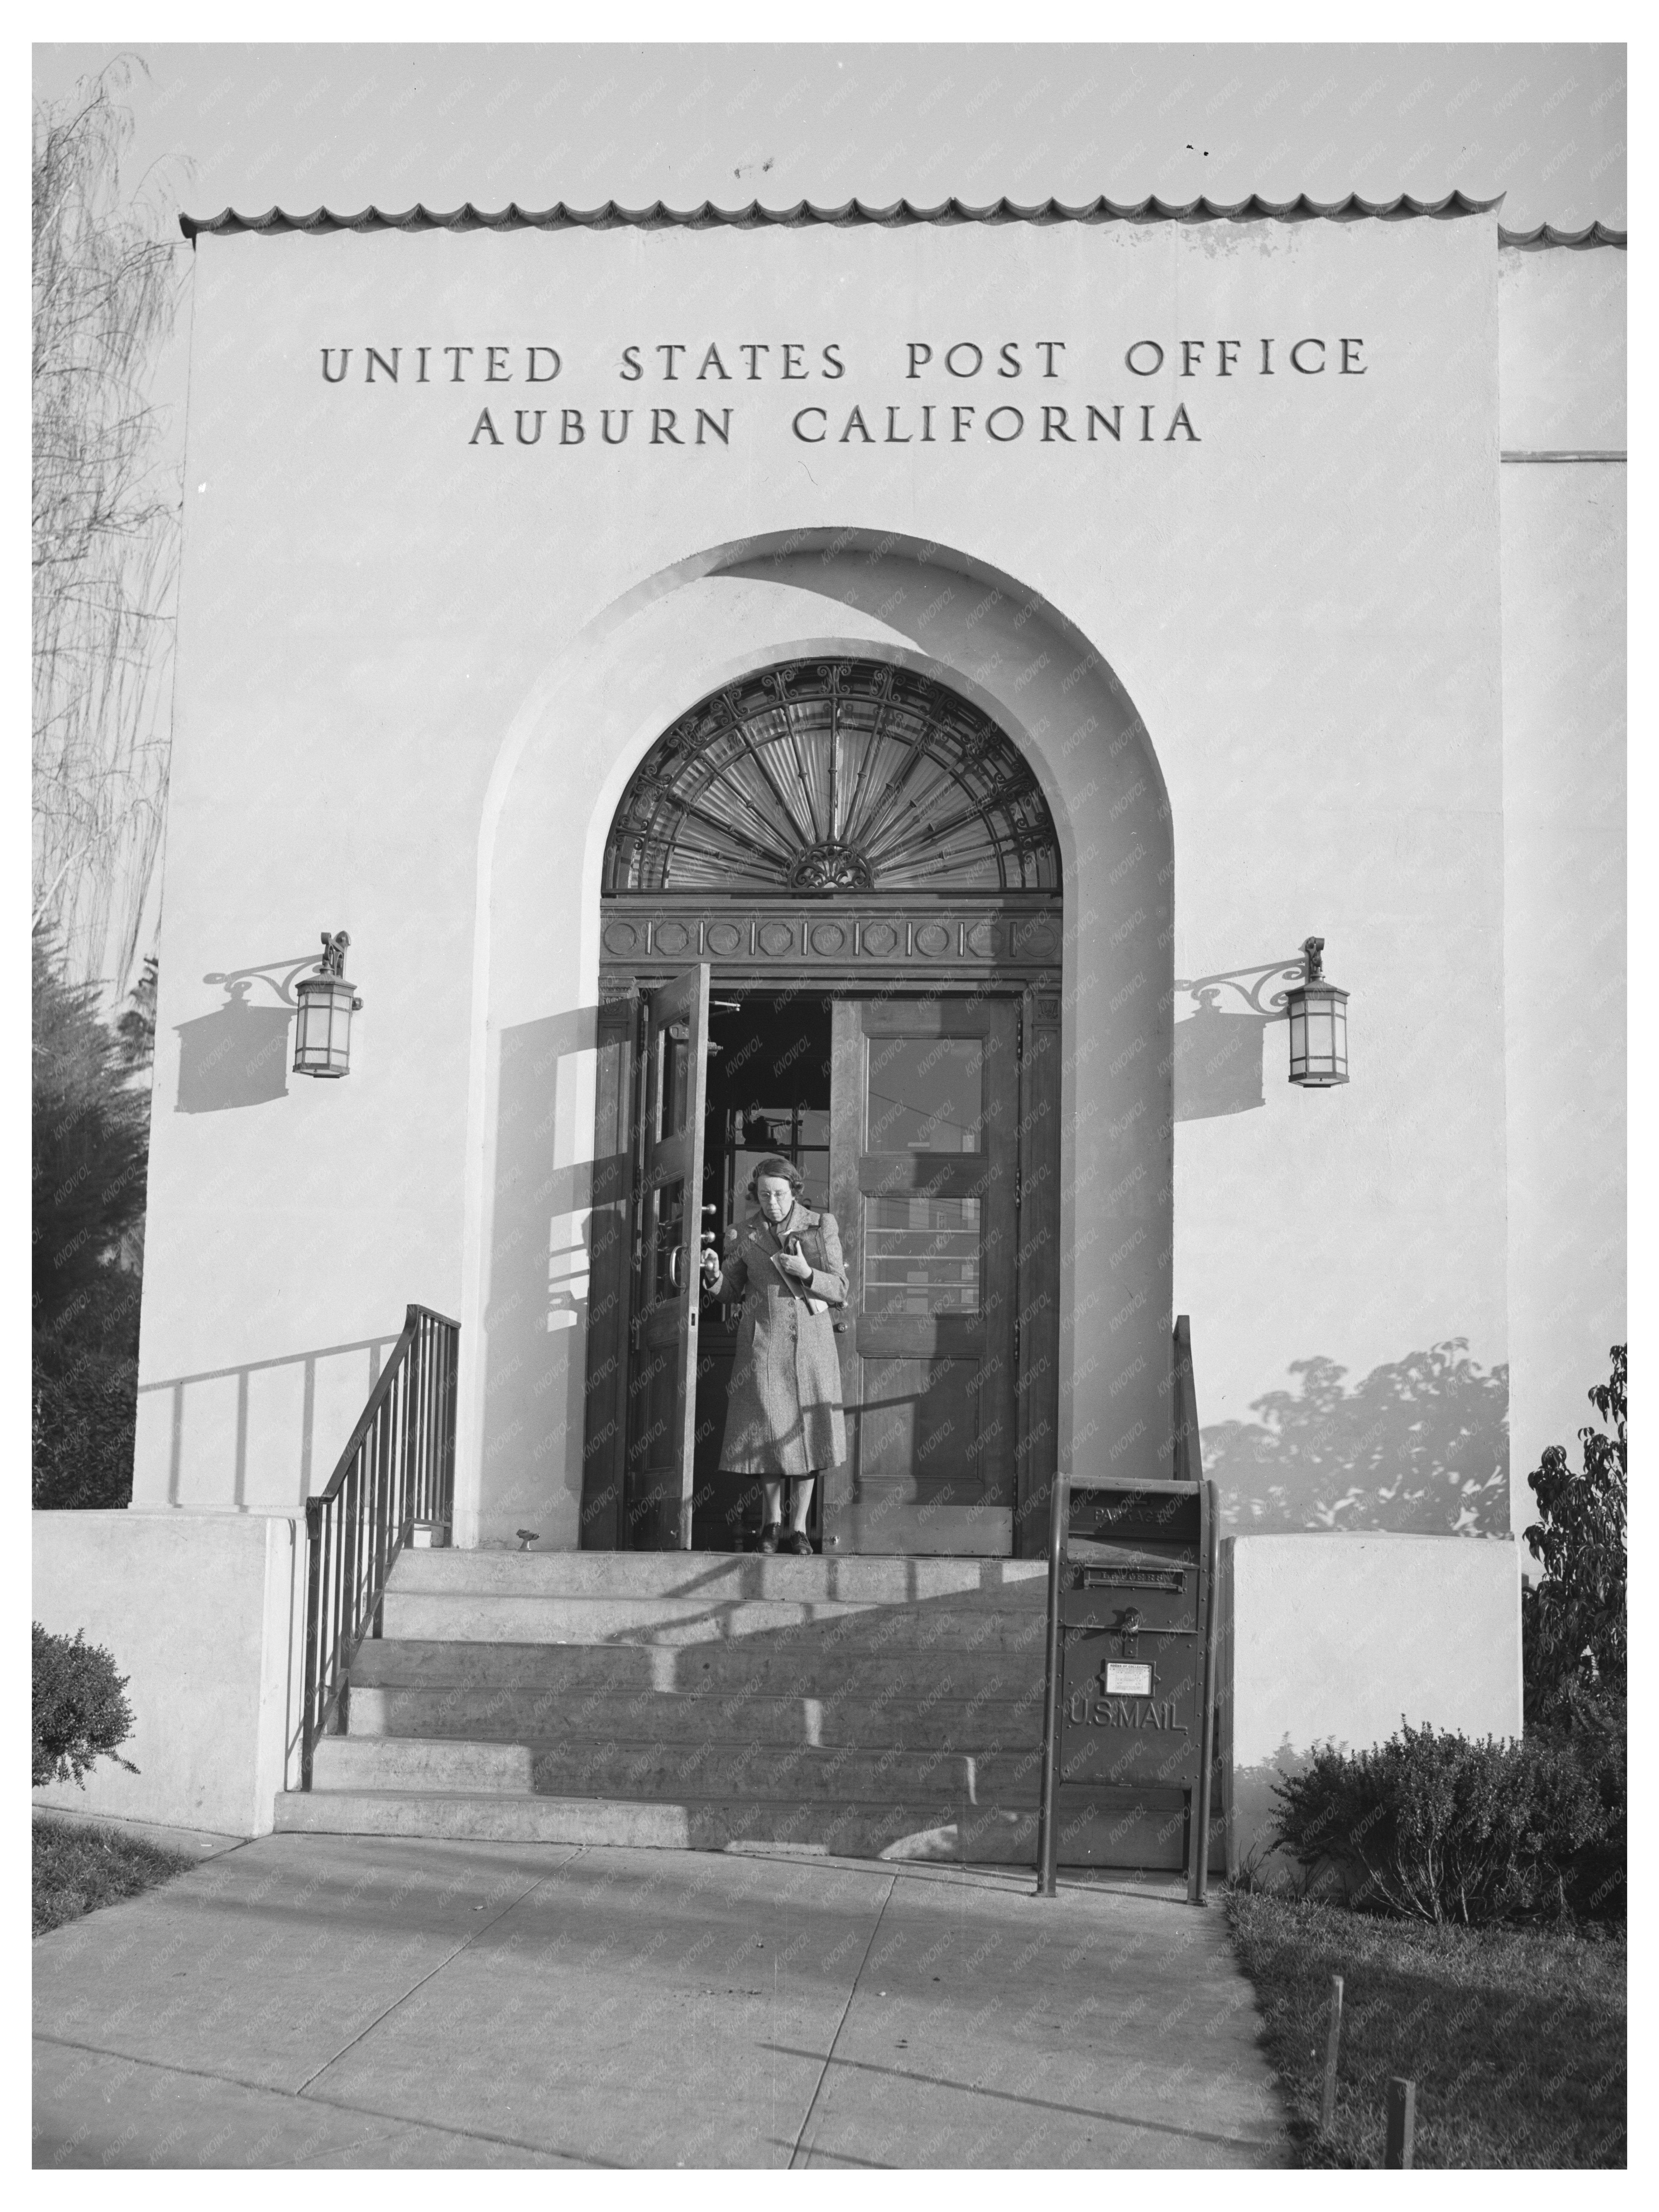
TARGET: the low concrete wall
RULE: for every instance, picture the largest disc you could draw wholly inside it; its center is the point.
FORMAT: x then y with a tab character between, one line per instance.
1334	1639
202	1613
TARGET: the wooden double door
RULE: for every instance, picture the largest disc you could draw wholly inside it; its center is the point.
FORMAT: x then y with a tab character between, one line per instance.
928	1152
924	1177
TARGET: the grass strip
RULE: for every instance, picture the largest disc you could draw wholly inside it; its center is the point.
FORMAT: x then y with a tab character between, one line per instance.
77	1868
1516	2038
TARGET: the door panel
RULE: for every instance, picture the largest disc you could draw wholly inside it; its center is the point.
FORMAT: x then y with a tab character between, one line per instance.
662	1397
923	1169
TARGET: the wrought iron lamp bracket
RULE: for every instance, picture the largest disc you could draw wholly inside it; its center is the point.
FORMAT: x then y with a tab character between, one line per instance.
281	976
1256	986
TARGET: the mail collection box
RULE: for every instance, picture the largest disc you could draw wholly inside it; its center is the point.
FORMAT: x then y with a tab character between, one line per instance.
1134	1695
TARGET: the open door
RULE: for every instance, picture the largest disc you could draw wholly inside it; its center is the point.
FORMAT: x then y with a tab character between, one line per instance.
924	1181
667	1216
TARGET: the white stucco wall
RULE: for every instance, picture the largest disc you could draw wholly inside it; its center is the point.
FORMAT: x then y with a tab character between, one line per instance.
1299	609
1337	1638
1563	388
202	1613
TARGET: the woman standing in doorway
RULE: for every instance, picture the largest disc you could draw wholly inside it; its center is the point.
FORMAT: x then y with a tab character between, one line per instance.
784	1416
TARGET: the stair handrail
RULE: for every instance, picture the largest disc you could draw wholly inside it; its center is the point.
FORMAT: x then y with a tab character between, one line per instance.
397	1470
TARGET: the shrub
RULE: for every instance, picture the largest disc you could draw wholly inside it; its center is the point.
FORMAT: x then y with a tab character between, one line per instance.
1573	1622
84	1399
80	1715
1432	1826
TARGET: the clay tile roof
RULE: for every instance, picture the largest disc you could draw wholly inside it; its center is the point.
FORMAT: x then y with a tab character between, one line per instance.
1546	233
706	216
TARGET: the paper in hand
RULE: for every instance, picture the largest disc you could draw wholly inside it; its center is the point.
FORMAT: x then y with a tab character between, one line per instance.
798	1285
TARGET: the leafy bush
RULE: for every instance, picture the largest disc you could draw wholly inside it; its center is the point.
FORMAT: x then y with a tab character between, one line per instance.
1597	1887
80	1715
1432	1826
1573	1622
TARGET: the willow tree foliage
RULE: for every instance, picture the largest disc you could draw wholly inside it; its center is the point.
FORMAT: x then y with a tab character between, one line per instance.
107	504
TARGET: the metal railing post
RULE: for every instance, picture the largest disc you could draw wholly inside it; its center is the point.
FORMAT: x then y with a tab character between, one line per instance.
314	1572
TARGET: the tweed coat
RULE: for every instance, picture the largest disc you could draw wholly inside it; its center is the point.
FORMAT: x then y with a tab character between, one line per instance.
784	1414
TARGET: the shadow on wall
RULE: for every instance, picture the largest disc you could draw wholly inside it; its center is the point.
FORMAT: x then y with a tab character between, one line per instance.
539	1259
1218	1064
1421	1446
237	1056
302	1394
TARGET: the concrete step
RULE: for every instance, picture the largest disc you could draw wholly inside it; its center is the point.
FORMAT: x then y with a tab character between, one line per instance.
506	1617
668	1772
723	1578
822	1665
511	1715
403	1762
937	1828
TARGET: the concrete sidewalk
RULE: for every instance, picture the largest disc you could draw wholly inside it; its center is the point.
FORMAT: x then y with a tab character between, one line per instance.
342	2001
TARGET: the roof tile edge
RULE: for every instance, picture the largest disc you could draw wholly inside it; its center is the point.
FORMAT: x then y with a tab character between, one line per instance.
706	216
1546	233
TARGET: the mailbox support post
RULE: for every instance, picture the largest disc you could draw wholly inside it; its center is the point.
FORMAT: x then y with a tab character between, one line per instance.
1198	1883
1048	1840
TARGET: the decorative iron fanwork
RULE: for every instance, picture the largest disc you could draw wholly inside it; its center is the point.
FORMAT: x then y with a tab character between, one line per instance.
826	777
831	866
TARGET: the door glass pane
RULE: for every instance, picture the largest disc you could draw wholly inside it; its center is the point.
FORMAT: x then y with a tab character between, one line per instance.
921	1255
668	1235
676	1077
799	1134
926	1094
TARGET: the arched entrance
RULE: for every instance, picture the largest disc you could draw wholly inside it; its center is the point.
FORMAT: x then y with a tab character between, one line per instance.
831	927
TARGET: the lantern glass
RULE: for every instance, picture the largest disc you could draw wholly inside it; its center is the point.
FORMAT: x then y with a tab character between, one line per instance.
1319	1036
322	1036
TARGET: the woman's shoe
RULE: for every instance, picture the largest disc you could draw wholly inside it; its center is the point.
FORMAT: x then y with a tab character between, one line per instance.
768	1537
799	1543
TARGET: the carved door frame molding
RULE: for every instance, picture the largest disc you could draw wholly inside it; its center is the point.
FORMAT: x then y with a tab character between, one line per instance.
852	828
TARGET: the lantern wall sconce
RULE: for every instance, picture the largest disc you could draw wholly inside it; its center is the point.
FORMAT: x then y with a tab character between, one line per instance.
1318	1013
322	1035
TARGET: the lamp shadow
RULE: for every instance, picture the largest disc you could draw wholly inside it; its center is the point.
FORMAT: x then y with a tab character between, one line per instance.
236	1056
1420	1447
1218	1064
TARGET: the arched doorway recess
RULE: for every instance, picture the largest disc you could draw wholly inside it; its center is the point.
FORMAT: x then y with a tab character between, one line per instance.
831	926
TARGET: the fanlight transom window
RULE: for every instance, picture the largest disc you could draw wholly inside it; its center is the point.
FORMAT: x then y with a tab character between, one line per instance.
849	775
